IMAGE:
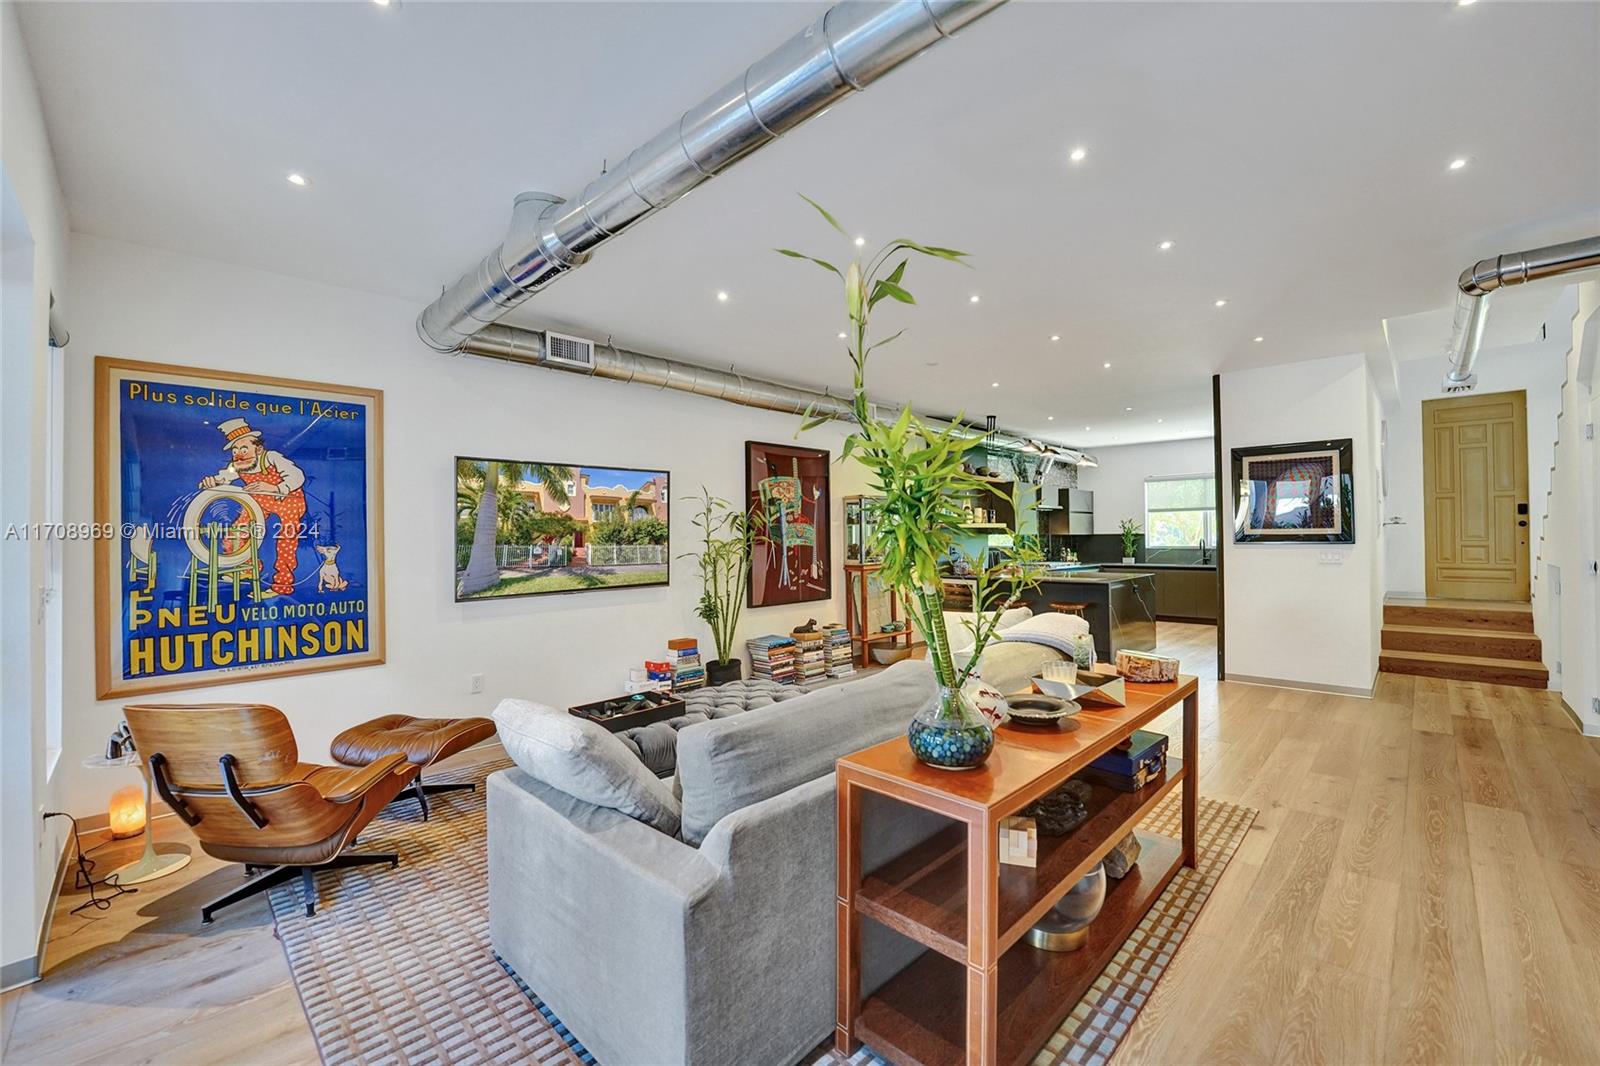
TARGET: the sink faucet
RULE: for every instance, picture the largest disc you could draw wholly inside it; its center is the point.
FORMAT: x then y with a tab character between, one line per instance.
1205	552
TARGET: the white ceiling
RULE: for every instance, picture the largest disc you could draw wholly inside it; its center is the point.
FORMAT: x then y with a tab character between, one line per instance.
1296	154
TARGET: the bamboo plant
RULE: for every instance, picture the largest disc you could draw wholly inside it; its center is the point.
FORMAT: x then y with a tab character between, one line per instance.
916	468
726	532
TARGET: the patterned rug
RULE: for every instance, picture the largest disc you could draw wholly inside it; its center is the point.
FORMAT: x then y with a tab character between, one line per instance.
396	966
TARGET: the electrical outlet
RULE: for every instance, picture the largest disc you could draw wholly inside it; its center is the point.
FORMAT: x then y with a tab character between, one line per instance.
474	684
1330	558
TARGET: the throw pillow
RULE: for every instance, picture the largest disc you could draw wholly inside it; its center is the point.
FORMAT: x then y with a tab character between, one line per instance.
1057	631
583	760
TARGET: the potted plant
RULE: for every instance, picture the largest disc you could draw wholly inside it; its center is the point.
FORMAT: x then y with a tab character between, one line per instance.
922	489
724	564
1130	539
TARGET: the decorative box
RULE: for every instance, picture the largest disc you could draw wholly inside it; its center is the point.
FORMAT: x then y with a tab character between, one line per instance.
1131	765
1146	669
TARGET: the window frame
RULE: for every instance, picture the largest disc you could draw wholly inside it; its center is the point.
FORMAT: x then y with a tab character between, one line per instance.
1208	514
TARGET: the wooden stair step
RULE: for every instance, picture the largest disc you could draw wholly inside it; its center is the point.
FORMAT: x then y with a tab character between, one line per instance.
1508	617
1478	668
1451	640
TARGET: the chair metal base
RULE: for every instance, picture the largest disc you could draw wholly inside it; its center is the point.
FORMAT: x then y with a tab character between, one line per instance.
272	876
420	792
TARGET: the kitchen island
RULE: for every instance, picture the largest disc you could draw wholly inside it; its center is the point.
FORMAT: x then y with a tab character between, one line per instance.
1120	605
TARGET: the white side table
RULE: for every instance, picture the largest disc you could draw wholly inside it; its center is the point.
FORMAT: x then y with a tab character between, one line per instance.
155	862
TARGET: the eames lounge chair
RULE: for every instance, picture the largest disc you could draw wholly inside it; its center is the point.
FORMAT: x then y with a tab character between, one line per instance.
232	772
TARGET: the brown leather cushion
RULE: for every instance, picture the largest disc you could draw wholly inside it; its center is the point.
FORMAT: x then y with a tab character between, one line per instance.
421	740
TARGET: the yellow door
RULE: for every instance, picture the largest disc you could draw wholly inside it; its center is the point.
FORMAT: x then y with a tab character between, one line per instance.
1475	496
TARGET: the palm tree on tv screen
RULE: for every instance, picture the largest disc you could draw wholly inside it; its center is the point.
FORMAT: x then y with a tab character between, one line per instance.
483	569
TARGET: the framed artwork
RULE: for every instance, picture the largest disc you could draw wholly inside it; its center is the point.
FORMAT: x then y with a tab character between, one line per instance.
527	528
787	491
238	527
1295	493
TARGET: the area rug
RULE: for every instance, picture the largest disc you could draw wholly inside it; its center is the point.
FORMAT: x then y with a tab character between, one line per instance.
396	966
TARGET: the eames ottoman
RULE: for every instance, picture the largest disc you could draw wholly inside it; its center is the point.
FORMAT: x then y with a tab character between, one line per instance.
423	741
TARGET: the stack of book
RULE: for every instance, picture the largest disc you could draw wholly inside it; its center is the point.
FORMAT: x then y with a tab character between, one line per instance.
772	658
687	672
811	662
836	639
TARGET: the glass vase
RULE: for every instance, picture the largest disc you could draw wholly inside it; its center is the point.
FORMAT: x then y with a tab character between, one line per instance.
1083	652
950	733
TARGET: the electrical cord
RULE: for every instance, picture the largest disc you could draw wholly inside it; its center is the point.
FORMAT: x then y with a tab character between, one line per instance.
85	873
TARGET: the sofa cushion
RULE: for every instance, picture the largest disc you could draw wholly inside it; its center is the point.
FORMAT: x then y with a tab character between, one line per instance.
583	760
961	627
730	763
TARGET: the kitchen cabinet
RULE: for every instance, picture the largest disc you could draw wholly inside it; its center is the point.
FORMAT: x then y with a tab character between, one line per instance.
1182	593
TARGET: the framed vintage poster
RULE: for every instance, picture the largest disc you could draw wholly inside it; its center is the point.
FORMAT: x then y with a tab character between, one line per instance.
791	555
1295	493
239	527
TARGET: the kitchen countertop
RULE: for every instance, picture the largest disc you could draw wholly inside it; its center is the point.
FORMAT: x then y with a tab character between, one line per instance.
1096	576
1158	566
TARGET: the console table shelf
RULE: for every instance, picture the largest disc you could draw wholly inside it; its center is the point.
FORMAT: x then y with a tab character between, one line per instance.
923	893
982	995
919	1016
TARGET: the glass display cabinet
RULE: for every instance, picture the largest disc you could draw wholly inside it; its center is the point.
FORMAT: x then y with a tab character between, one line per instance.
860	521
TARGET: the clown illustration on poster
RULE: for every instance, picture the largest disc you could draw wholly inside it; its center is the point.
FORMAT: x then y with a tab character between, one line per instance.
238	527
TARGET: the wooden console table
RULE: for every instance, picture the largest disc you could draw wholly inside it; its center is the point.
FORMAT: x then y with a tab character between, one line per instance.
983	996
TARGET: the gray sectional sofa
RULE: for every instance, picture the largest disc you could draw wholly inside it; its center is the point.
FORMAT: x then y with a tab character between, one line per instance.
713	945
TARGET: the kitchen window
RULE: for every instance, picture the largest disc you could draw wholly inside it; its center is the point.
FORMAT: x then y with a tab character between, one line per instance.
1180	511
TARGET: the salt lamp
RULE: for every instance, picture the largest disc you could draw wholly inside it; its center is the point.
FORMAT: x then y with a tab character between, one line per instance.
127	812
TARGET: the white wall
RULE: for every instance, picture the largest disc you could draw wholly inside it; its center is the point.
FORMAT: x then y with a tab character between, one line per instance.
35	229
1118	482
1571	541
1535	368
137	303
1292	618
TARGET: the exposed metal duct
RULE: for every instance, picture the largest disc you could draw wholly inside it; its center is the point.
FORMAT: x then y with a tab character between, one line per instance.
527	346
1478	281
850	46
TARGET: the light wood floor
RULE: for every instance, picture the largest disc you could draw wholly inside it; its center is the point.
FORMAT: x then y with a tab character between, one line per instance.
1422	885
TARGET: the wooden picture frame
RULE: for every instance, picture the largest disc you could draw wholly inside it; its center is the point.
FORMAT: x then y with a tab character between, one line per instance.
792	558
203	575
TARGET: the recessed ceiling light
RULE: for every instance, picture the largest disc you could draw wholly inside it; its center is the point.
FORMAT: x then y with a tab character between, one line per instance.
1258	340
722	296
1219	303
1161	420
860	241
1055	336
841	334
1127	408
1465	3
381	3
973	298
1458	162
1108	366
1165	246
299	179
1049	418
1087	428
1078	154
994	384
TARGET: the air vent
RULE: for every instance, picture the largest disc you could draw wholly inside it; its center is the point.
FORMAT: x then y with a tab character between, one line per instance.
1460	386
573	353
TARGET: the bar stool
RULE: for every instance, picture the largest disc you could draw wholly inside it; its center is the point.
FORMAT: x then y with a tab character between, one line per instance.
1070	608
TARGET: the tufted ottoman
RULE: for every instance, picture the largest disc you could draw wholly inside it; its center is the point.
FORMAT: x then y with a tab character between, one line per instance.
423	741
656	744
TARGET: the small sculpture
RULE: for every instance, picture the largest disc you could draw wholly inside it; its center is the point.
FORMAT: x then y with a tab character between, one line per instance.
1060	812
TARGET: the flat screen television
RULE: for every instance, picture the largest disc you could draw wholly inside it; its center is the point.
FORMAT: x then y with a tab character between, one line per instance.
527	528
